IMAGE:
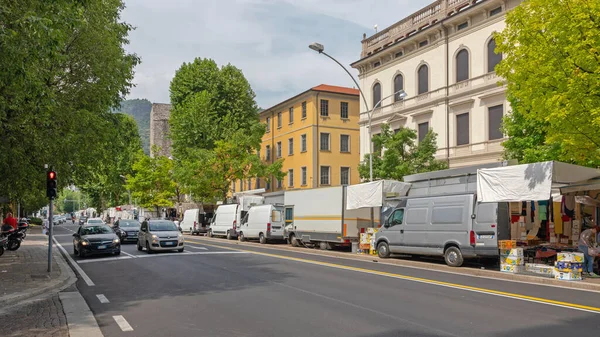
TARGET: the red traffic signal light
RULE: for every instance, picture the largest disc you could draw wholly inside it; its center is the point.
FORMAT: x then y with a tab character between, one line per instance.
52	175
51	185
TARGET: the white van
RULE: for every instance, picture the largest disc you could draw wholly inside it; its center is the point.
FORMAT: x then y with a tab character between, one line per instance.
195	222
225	222
264	222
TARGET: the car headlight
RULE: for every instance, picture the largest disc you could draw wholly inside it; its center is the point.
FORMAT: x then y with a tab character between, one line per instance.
116	240
154	238
85	242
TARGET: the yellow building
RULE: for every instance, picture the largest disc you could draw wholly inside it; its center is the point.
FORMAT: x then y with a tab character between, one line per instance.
317	134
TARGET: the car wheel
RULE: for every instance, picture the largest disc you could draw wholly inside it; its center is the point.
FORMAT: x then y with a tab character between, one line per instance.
148	249
180	250
210	234
228	235
453	257
118	252
262	239
80	253
324	245
294	241
383	250
139	246
242	237
1	250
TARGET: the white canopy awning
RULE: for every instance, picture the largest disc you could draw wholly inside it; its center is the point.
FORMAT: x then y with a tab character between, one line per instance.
529	181
373	194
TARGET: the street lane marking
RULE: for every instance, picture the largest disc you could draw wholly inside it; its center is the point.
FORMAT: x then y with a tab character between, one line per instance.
196	247
131	255
122	322
104	259
567	305
74	264
102	298
108	259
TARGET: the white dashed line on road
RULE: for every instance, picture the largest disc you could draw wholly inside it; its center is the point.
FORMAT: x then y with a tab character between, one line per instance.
102	298
196	247
104	259
122	323
131	255
80	271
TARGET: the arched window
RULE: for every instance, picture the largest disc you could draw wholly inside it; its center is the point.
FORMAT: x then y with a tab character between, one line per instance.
462	65
376	94
492	58
398	85
423	75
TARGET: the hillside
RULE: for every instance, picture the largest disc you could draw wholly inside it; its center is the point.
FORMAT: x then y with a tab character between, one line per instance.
140	109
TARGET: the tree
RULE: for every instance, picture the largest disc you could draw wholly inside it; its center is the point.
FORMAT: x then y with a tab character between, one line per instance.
551	63
63	67
402	155
151	182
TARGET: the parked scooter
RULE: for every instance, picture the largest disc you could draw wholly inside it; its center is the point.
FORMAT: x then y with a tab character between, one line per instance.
16	237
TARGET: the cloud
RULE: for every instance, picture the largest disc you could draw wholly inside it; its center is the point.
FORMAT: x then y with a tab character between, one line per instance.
267	39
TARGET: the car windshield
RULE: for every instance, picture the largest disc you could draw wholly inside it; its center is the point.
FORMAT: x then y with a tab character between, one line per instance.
94	221
91	230
162	226
130	224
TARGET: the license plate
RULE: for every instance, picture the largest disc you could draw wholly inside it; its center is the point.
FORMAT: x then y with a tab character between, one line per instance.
486	236
168	243
102	247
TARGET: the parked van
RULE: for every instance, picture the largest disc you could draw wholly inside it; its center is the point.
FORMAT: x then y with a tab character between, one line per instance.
263	222
453	226
225	222
195	221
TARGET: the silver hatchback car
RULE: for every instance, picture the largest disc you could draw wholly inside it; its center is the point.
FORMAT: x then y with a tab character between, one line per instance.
159	235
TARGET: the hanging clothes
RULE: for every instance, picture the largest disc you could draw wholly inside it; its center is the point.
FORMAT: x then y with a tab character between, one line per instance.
558	223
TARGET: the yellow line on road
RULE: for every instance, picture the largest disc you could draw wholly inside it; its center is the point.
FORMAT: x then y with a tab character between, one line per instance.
567	305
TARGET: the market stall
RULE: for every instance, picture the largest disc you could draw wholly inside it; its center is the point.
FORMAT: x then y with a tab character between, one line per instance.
548	209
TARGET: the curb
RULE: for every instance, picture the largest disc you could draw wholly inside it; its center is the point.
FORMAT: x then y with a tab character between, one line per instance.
481	273
66	279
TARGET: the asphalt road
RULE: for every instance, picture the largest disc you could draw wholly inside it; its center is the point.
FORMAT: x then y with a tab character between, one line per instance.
217	289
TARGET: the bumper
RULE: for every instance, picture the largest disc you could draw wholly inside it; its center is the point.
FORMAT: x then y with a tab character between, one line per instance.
95	251
201	230
163	246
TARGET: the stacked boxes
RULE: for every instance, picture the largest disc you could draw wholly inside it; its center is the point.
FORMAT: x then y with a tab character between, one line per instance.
540	269
513	262
568	266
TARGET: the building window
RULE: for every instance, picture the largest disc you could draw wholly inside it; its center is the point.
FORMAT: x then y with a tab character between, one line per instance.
344	110
344	143
345	176
325	142
291	146
268	124
423	74
268	185
303	109
303	143
249	184
376	94
423	130
241	185
325	175
492	58
233	187
291	115
462	65
495	114
303	176
279	120
462	25
462	129
257	183
495	11
423	43
279	183
376	64
324	108
398	85
290	178
398	54
268	152
278	149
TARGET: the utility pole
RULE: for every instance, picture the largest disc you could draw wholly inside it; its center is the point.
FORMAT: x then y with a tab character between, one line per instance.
51	193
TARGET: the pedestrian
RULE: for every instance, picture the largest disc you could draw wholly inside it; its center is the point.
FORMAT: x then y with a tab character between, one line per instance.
587	241
10	220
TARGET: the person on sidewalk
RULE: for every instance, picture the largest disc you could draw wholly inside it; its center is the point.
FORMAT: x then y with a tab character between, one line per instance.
587	240
10	220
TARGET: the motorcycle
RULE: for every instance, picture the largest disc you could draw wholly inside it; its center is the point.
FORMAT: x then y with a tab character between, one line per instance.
3	244
16	237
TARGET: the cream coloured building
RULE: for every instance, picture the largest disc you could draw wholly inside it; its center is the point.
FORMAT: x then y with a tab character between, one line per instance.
443	57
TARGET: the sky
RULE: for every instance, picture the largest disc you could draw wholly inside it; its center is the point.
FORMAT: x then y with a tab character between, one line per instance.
267	39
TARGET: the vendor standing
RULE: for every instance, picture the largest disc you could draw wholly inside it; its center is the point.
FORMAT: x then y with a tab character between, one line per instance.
587	240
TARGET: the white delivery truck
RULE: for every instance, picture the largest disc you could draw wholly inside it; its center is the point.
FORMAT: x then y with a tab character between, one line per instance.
228	216
263	222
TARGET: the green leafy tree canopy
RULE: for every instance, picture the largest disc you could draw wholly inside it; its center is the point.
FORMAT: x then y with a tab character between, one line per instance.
151	182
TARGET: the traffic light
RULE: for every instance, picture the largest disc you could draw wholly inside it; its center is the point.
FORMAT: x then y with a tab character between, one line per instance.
51	185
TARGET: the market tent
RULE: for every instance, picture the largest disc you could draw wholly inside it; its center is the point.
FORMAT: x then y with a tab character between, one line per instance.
529	181
373	194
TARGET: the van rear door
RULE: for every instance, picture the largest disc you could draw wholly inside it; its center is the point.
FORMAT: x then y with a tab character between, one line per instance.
485	226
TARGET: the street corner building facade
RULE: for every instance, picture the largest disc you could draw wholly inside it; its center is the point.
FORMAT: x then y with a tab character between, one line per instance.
316	133
444	58
159	128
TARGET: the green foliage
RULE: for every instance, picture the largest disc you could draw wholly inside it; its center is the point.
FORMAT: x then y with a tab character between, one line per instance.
151	182
402	156
36	221
69	201
62	68
140	110
551	51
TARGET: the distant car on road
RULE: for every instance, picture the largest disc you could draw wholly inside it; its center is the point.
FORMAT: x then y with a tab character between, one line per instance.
95	239
82	220
127	230
95	221
159	235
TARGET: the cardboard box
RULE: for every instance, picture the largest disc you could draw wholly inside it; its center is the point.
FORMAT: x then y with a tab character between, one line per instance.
509	268
514	260
569	257
372	230
541	269
567	276
516	252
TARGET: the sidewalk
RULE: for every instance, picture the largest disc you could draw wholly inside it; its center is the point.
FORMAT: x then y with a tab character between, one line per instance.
29	301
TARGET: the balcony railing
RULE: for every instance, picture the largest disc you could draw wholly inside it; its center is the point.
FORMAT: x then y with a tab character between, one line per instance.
423	18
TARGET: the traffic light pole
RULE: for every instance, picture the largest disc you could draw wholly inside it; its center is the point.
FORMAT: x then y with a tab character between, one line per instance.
50	225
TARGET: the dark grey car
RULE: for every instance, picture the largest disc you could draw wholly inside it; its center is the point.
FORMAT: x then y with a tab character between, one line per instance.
96	239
